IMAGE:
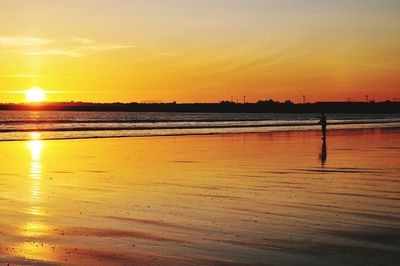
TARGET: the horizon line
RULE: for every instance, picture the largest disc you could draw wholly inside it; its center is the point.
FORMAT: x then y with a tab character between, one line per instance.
394	100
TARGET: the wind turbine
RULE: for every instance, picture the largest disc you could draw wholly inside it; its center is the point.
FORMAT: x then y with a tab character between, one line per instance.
302	95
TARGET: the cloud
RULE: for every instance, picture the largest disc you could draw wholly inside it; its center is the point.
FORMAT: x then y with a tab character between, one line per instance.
21	76
35	76
79	47
55	52
81	40
166	54
104	47
22	40
80	50
72	47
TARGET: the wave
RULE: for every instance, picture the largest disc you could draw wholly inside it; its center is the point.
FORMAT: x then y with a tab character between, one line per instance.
185	126
183	120
59	135
18	125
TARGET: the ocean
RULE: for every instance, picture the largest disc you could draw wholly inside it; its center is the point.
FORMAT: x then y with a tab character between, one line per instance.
25	125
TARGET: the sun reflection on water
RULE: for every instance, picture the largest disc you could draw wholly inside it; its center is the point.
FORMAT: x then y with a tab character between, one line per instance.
34	226
34	250
35	173
35	145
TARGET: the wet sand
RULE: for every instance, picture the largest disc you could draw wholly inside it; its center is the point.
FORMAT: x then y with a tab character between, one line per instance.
270	199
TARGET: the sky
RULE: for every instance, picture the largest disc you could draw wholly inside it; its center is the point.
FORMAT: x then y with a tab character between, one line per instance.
200	51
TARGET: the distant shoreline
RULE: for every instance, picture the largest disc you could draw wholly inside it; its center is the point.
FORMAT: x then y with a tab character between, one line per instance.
269	106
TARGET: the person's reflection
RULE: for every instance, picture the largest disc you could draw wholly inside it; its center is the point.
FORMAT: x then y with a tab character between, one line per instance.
323	153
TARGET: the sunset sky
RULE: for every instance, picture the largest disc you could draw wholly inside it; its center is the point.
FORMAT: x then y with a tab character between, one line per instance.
200	51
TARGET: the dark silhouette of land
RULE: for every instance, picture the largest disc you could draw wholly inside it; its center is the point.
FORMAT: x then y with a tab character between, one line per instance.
268	106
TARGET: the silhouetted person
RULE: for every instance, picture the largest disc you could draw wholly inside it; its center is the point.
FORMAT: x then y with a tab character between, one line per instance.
323	124
323	154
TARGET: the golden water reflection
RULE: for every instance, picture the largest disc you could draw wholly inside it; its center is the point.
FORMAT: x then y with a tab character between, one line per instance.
35	173
35	251
36	147
34	226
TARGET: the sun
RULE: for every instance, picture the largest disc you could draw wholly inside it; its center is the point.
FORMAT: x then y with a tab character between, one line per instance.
35	95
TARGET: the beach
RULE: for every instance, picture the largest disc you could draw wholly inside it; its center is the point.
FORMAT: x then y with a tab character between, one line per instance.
279	198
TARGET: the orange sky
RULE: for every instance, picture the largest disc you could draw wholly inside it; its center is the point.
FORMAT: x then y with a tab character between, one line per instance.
200	51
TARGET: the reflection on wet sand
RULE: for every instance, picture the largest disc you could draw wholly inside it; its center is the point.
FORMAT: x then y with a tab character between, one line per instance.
323	153
35	173
34	227
209	200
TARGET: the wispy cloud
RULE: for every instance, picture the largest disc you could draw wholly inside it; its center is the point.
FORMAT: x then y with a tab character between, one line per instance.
80	50
55	52
20	76
166	54
72	47
35	76
22	40
82	40
104	47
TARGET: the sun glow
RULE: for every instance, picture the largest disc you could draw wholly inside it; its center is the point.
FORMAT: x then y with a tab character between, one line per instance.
35	95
